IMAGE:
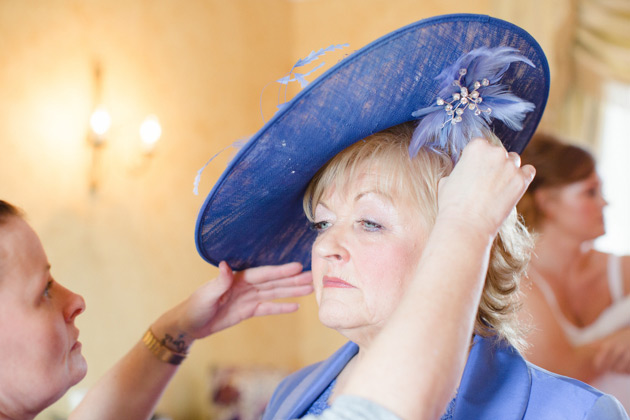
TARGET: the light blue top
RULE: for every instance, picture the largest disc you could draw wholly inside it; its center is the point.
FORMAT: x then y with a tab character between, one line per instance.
497	384
349	407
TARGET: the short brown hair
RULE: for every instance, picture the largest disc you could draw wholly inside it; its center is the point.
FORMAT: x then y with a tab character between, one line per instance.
557	164
7	209
420	177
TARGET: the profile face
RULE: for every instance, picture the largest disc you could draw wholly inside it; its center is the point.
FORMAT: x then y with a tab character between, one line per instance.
578	208
368	245
41	357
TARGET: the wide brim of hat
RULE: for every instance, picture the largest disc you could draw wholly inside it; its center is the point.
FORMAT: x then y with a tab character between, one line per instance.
253	216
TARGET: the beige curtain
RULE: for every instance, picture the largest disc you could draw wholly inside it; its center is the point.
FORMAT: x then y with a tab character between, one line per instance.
602	42
598	54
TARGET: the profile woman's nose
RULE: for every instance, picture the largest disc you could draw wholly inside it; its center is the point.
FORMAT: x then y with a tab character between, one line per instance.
74	305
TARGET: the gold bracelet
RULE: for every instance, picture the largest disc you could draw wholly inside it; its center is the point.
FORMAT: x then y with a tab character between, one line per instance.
161	351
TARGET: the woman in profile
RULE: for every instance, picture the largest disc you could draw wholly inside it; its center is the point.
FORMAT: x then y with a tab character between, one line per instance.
579	298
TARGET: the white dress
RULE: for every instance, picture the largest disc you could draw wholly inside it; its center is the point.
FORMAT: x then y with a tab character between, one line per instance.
613	318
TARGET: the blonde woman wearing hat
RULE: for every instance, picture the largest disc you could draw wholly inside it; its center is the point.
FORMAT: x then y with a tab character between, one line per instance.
579	298
364	148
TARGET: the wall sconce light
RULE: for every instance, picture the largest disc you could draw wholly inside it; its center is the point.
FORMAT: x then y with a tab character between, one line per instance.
100	121
99	126
150	133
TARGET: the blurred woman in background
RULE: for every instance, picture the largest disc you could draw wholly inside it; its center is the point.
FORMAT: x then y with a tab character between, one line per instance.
579	298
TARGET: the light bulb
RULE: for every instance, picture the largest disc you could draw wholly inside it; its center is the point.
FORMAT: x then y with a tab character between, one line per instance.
150	132
100	121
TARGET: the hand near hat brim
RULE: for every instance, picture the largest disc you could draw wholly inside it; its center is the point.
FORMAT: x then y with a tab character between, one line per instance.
234	297
484	187
229	299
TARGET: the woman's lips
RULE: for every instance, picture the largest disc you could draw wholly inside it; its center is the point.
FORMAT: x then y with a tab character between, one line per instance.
336	282
77	343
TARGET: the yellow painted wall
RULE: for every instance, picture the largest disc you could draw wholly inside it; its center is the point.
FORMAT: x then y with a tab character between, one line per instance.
199	65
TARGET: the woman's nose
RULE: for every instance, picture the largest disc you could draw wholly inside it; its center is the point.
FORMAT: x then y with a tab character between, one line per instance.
73	305
330	245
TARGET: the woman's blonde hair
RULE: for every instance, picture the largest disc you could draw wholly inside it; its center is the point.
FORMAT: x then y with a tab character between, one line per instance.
418	179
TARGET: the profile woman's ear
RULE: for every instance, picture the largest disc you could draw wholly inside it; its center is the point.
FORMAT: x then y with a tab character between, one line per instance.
544	200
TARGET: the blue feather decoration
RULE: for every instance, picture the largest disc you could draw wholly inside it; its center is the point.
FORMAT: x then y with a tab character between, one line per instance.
238	145
298	77
314	55
470	97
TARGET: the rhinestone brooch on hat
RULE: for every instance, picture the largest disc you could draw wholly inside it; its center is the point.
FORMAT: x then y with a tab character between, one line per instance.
464	100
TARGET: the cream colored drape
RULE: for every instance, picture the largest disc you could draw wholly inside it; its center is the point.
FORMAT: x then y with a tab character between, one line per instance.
598	54
602	41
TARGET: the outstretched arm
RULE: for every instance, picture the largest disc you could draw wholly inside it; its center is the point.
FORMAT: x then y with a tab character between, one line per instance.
132	388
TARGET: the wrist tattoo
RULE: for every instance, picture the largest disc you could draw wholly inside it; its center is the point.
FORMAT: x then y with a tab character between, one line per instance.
178	344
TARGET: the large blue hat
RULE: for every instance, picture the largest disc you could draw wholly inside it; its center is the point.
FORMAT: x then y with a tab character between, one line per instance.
253	216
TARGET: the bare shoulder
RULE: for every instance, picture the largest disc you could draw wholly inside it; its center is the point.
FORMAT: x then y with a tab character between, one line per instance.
547	343
535	308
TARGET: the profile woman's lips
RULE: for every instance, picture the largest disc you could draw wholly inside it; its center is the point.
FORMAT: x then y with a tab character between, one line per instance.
336	282
77	344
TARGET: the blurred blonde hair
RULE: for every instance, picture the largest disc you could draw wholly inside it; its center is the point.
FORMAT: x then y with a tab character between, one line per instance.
418	179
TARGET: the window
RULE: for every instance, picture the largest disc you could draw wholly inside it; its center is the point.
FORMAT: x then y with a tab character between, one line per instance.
614	167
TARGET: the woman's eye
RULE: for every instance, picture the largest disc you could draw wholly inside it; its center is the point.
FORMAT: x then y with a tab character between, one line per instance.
593	192
48	288
320	226
370	225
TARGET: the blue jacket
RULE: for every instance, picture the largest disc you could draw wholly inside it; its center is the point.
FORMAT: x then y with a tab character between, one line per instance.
497	384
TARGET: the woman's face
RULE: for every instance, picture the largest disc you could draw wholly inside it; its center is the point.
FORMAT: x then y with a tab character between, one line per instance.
365	254
577	208
41	357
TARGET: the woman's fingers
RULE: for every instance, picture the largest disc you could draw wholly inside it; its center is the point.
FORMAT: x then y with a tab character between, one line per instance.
301	279
619	359
261	284
529	172
284	292
255	296
275	308
515	158
613	355
219	289
269	272
485	185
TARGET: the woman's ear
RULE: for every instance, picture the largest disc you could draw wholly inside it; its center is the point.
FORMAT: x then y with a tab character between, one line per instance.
544	199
